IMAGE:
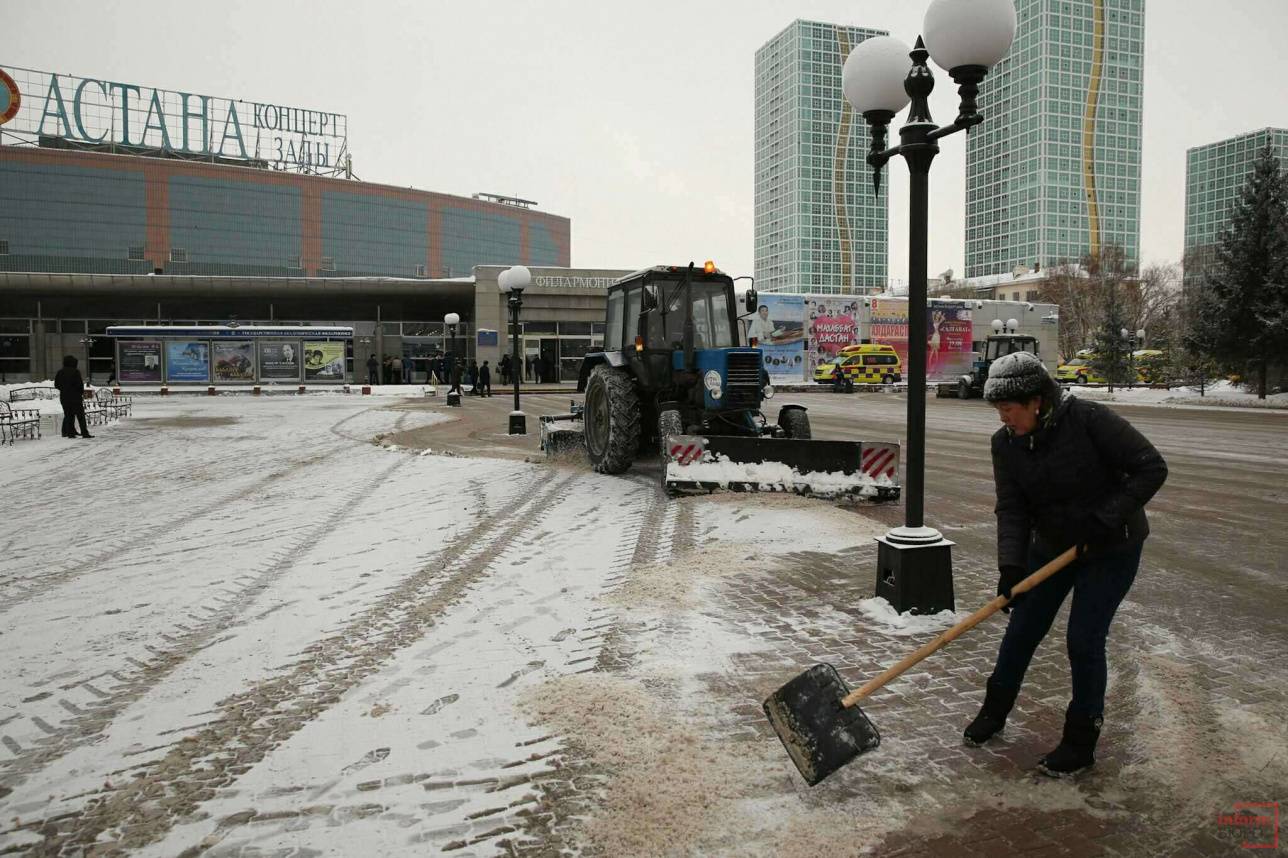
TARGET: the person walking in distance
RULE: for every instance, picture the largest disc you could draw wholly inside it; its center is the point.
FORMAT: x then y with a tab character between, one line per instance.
396	370
70	394
373	371
454	373
485	380
1067	471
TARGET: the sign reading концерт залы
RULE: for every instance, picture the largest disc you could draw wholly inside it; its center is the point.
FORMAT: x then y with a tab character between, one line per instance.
97	111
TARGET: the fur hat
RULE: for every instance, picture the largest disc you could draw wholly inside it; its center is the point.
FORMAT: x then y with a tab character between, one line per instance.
1018	377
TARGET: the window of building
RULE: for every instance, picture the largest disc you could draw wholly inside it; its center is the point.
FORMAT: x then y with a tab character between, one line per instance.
420	269
4	247
178	254
135	254
293	262
328	263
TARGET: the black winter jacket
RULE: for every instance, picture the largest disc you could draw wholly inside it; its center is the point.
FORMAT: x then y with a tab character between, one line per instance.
69	383
1083	461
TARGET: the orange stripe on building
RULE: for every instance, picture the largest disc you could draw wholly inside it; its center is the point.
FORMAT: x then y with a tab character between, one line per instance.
1089	125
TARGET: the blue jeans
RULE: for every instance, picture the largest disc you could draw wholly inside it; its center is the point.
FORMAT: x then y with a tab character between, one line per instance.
1099	585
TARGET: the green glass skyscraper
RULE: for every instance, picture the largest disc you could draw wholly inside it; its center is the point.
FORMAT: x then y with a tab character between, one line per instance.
1053	173
818	227
1214	176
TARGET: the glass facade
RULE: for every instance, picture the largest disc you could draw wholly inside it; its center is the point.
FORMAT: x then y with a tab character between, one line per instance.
1214	176
818	226
90	213
1053	173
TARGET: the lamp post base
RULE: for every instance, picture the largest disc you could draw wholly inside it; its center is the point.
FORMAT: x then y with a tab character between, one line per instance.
518	423
454	399
915	570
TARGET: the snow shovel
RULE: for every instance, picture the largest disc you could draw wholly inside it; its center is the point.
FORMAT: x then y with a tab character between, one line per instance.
816	714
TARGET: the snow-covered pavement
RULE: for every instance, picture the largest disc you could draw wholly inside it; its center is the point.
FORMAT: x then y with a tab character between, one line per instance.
239	620
245	626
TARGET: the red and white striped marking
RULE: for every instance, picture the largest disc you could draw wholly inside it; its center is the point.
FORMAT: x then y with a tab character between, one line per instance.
880	461
685	450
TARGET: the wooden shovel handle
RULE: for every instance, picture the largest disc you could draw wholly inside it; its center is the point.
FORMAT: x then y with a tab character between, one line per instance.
961	628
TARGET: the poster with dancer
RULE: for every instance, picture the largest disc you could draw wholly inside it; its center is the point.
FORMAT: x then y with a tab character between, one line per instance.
948	340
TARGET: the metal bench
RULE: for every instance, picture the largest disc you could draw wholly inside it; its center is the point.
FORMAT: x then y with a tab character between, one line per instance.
114	406
18	422
32	392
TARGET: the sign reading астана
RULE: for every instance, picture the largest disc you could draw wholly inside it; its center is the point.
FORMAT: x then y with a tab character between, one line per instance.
101	112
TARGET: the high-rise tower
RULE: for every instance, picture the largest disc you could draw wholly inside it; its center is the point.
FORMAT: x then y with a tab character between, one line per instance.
1053	173
818	226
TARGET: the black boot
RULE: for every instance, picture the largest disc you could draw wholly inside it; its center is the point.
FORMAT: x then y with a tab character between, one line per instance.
998	701
1077	748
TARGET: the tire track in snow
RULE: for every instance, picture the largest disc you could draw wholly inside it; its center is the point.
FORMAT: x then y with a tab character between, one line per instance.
181	643
248	725
43	583
26	588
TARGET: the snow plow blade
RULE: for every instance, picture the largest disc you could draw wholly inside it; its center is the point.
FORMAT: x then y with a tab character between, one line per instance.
699	463
563	433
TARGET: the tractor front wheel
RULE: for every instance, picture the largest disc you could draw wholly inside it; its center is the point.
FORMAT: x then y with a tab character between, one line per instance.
963	389
668	423
795	423
612	417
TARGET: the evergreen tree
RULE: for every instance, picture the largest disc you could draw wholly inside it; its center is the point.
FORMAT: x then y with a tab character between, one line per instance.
1243	322
1113	359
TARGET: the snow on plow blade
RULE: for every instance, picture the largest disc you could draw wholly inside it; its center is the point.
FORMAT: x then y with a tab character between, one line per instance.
696	463
562	434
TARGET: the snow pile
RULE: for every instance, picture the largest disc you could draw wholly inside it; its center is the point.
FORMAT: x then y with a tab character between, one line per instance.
1217	394
882	612
722	472
670	584
671	786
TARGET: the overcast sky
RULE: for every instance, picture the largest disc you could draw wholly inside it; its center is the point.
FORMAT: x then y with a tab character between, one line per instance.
636	123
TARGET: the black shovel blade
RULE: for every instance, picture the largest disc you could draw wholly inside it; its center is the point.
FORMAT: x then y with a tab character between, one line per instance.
820	734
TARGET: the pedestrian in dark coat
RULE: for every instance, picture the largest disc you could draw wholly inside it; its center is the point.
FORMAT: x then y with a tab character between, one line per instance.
503	367
70	394
373	371
472	377
1068	472
453	373
485	380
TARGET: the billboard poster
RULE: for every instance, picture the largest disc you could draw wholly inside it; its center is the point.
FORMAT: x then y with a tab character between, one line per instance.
139	361
890	325
832	324
187	361
323	361
279	361
948	340
779	327
234	360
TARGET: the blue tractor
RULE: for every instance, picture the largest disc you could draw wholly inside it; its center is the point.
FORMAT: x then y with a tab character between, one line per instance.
673	378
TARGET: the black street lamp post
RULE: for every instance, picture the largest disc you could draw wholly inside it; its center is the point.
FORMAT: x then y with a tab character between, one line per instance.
512	282
914	562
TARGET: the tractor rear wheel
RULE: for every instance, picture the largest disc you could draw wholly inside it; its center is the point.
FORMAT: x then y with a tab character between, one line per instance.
612	417
795	423
668	423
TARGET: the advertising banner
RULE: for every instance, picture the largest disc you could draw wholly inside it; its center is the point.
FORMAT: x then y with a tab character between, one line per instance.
279	361
833	324
890	325
139	361
323	361
187	361
779	327
234	360
948	346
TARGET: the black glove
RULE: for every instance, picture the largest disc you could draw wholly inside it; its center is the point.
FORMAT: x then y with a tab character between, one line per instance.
1008	577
